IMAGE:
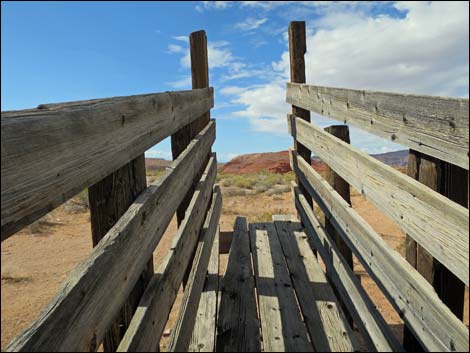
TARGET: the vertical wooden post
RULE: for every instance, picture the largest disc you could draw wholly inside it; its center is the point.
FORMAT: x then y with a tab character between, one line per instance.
200	79
109	199
297	49
452	182
181	139
342	187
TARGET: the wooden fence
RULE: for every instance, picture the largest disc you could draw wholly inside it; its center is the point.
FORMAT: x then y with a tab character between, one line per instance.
434	126
114	298
51	153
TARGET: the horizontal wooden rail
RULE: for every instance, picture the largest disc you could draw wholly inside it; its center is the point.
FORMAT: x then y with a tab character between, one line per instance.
51	153
370	322
182	333
432	322
78	318
435	126
435	222
149	320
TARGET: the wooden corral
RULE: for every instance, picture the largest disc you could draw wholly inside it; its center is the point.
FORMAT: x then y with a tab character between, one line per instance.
275	294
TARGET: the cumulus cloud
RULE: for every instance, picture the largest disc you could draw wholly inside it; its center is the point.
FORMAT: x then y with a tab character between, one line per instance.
424	51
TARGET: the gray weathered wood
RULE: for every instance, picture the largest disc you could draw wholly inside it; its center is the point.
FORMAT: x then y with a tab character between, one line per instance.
322	313
452	182
182	332
109	199
238	328
77	319
437	328
200	79
204	332
281	322
52	153
435	222
148	322
373	327
297	50
436	126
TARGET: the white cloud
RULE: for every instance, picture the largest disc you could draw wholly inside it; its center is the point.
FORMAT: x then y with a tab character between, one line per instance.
183	83
218	5
250	24
182	38
426	52
158	154
173	48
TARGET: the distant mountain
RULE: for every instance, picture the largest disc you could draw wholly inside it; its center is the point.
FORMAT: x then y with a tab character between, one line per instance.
278	162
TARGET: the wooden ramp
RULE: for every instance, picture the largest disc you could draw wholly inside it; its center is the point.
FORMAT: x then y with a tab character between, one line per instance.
273	296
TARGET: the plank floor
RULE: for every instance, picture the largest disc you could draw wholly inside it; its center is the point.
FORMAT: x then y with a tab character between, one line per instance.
273	297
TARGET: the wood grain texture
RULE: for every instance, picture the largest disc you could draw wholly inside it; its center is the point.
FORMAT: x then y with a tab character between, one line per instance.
148	322
373	327
281	321
452	182
204	331
238	328
77	319
437	328
182	332
297	50
438	224
109	199
54	152
436	126
200	79
321	311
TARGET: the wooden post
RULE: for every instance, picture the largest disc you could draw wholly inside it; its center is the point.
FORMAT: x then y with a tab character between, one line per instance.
342	187
200	79
181	139
109	199
452	182
297	49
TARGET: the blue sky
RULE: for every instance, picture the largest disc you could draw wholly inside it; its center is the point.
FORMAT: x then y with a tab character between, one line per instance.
65	51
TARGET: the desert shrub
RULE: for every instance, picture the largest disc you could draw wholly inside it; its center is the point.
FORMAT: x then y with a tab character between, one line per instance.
258	182
233	191
42	225
278	190
82	199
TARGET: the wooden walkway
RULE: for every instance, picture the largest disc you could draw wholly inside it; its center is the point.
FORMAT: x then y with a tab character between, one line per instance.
274	296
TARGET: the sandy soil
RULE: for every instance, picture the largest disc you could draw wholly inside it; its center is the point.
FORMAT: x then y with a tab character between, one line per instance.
33	266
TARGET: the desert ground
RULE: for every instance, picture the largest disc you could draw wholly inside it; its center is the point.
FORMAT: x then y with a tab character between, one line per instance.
36	261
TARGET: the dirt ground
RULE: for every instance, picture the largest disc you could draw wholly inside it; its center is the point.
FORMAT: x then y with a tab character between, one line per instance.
34	264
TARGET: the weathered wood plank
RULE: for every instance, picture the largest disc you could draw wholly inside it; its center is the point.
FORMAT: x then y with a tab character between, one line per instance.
77	319
452	182
281	322
238	328
368	319
436	126
435	222
182	332
109	199
322	313
148	322
52	153
410	294
204	332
